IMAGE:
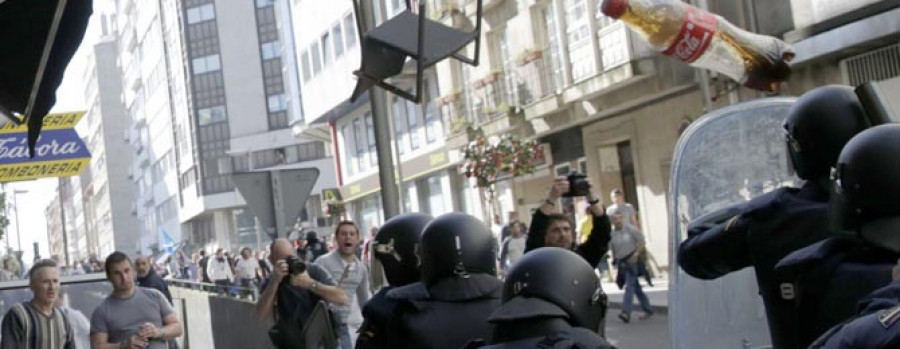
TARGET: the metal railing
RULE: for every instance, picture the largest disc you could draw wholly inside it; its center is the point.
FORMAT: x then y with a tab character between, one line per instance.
229	291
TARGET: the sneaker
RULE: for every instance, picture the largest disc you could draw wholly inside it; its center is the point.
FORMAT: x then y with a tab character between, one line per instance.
625	317
646	315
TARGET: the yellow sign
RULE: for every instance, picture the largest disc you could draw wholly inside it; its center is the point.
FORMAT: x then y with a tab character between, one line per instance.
34	170
355	189
58	152
58	121
437	159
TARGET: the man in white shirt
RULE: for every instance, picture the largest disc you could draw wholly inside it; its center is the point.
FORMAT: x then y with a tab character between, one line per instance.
247	269
219	271
513	246
352	276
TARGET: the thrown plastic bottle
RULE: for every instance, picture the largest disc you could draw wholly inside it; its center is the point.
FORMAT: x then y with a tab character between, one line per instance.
706	40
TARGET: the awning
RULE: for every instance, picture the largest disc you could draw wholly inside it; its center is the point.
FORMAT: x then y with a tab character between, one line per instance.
40	37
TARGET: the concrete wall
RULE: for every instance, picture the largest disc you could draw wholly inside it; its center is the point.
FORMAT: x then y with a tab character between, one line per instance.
216	322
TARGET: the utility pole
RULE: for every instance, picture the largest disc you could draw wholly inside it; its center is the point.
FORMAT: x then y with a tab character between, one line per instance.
390	195
62	218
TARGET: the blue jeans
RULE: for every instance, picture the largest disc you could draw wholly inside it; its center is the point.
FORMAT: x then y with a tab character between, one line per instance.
343	332
632	288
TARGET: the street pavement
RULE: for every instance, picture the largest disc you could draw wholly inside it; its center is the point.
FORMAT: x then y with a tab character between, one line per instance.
641	334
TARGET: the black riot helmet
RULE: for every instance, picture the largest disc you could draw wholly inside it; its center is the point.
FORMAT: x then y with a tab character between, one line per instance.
552	282
395	247
867	184
820	122
456	245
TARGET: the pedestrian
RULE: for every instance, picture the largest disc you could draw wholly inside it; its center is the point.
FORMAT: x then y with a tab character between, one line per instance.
550	296
247	270
291	298
219	272
394	249
829	278
513	246
203	264
627	243
352	276
147	276
512	219
131	317
551	229
38	323
763	231
459	287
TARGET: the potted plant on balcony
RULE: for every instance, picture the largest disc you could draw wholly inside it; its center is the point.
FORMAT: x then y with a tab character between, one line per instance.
528	56
487	160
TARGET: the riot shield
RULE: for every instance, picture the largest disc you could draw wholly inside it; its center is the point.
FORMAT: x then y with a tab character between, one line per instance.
726	157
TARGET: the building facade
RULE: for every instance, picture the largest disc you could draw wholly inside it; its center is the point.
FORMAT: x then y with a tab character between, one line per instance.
596	98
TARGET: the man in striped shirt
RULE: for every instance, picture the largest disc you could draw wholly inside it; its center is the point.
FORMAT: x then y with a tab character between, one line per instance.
38	324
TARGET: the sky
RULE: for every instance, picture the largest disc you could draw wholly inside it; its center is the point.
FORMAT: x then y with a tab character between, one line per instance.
69	97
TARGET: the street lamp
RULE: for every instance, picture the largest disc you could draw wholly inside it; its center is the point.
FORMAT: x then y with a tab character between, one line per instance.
16	205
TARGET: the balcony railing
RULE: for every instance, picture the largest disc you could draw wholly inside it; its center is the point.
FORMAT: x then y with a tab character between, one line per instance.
540	74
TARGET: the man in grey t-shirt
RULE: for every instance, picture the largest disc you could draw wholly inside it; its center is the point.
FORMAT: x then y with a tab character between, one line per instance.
627	243
131	317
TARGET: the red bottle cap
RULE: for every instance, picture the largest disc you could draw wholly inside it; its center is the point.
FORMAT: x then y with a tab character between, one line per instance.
614	8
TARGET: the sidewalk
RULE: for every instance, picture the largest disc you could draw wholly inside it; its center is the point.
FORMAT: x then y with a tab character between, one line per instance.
658	294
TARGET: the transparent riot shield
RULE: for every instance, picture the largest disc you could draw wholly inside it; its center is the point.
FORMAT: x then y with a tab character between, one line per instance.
726	157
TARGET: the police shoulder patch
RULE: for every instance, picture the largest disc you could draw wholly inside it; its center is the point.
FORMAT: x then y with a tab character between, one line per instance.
889	317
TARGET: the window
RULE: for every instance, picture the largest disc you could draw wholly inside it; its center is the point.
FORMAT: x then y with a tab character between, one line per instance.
361	144
316	59
412	122
338	40
201	13
211	115
277	103
370	134
347	136
326	49
206	64
349	30
400	125
578	27
395	7
264	3
271	50
304	60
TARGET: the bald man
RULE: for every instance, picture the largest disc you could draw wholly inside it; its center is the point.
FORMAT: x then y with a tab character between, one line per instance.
297	295
147	276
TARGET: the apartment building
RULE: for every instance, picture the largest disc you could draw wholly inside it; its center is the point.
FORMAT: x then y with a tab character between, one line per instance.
208	95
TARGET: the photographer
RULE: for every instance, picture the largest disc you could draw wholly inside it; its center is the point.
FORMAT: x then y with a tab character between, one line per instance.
552	229
296	292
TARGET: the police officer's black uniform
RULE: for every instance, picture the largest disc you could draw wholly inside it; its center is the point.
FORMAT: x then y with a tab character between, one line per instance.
833	275
459	287
769	227
875	326
394	248
551	299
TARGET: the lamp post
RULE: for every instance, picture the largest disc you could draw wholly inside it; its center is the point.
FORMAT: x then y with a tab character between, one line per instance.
16	205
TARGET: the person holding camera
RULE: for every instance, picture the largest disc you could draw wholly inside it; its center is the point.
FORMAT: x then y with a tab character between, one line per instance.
552	229
298	288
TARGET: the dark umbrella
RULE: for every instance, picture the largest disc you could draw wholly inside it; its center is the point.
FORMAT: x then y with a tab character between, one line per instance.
39	38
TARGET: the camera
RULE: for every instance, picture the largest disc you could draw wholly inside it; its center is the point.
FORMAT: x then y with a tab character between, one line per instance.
295	265
578	185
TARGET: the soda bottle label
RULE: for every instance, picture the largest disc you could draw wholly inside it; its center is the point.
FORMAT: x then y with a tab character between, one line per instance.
695	35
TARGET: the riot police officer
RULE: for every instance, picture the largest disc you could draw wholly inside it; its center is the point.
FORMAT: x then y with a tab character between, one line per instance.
551	295
458	289
394	248
761	232
832	276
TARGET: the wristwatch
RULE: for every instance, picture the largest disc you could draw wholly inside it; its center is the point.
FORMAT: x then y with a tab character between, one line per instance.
314	286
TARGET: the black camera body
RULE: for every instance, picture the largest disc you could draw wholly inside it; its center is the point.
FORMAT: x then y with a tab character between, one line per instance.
295	265
578	185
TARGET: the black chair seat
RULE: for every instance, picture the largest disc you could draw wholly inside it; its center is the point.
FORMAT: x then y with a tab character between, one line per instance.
399	34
